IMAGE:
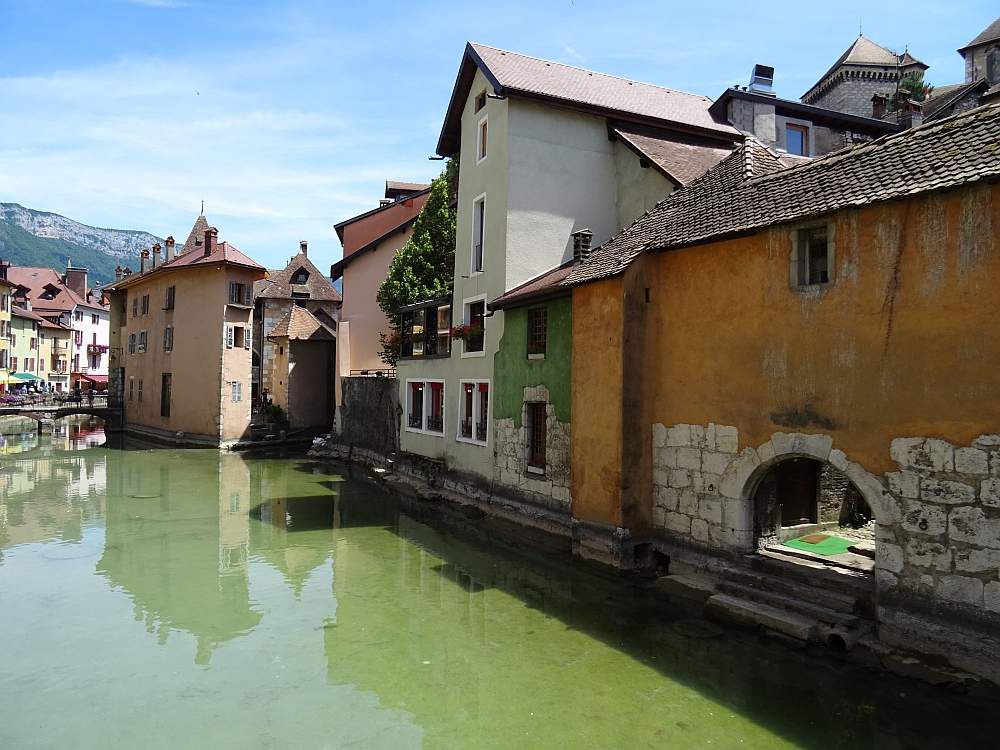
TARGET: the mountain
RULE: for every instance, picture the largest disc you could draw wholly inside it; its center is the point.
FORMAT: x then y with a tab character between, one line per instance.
39	238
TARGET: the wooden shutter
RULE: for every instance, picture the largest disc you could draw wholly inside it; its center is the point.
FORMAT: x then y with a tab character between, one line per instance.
229	336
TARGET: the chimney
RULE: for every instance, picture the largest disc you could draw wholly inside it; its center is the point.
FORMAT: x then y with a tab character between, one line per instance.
304	247
119	273
913	114
143	260
76	279
156	255
879	102
211	240
762	80
581	245
170	249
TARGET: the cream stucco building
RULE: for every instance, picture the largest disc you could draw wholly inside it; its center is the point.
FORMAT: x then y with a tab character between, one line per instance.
546	150
181	341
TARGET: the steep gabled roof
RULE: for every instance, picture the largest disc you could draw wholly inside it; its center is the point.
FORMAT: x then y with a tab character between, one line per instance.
513	74
990	34
946	97
942	154
317	286
301	325
196	235
39	281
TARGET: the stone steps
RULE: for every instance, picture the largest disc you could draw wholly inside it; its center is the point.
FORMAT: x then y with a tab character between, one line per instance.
814	574
843	603
755	614
793	603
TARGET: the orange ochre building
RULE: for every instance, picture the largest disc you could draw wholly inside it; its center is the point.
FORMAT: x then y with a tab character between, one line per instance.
767	326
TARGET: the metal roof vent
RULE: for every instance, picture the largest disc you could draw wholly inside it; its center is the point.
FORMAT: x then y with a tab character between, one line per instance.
762	80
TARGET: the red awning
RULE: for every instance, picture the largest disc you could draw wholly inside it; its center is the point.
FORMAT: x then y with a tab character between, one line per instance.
96	379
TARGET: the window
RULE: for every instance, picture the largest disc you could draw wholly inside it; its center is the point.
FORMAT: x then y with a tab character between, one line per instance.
4	302
481	140
238	337
139	399
78	315
33	344
13	339
168	339
135	307
478	233
797	139
168	303
165	386
812	257
474	327
237	391
94	338
229	335
426	331
537	332
535	416
131	389
425	406
480	100
13	364
300	298
239	293
300	277
145	304
141	342
95	319
474	412
131	343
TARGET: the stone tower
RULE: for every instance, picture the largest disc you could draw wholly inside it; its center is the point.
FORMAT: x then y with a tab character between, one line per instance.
865	70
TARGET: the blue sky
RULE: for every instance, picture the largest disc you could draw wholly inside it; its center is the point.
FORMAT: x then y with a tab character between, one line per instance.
287	117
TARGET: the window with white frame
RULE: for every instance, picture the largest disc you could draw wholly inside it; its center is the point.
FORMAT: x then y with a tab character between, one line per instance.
474	411
237	391
425	406
141	342
481	139
473	328
478	233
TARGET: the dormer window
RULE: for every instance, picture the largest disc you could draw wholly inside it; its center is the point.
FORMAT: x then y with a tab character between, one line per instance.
300	277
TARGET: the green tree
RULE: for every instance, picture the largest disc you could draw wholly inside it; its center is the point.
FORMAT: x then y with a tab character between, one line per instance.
424	267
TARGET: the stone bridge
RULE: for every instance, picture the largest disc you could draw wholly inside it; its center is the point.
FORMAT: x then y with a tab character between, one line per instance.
46	414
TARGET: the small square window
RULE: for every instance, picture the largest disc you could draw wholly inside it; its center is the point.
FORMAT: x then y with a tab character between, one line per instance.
480	100
813	257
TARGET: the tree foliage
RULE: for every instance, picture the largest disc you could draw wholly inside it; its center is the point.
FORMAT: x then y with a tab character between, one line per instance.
423	269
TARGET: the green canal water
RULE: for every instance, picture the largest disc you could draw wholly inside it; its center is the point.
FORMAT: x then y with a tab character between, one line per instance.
161	598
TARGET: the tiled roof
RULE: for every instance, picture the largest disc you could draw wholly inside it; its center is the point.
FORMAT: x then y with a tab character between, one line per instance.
317	286
46	323
960	149
22	313
299	324
680	158
35	280
515	74
989	34
542	286
945	97
404	187
196	236
224	253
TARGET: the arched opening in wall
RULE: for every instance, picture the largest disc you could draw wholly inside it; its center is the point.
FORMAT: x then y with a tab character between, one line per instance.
805	506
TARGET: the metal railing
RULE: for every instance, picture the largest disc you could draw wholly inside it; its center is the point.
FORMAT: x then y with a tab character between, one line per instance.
53	399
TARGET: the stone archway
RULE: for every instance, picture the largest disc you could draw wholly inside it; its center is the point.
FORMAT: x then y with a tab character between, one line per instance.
745	472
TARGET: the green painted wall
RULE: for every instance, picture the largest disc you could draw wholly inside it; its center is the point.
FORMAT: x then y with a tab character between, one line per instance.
513	370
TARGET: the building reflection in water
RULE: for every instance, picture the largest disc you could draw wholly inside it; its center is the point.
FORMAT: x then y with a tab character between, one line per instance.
49	489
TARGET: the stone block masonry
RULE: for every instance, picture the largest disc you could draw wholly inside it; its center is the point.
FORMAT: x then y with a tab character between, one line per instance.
510	445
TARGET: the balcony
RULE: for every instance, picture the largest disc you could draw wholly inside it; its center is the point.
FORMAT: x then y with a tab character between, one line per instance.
481	431
415	421
435	424
96	348
465	428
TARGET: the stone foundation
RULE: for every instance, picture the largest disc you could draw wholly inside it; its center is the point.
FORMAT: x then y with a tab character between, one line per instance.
510	459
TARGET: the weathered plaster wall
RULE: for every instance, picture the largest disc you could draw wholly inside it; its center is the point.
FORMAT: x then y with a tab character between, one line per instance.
310	373
895	346
638	188
515	371
597	401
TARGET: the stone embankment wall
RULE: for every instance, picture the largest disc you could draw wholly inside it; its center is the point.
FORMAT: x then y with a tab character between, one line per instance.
369	417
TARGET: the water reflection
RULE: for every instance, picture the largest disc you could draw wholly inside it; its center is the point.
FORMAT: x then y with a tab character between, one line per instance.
310	611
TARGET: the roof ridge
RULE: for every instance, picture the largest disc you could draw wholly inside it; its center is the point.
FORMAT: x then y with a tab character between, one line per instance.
592	72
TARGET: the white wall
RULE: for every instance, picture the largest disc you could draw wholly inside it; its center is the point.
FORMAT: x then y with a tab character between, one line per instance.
87	328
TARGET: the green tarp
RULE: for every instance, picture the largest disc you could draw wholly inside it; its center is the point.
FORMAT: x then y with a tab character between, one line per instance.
832	545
